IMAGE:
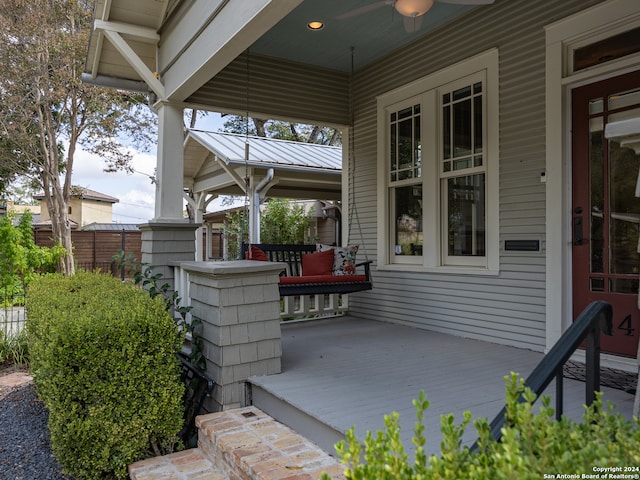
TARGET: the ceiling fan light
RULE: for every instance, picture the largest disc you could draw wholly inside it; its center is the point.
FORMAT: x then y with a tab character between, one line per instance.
413	8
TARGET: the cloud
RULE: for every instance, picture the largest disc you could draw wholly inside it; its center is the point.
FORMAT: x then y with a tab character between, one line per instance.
135	191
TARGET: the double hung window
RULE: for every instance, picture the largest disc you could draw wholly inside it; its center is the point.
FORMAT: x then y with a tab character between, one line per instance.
437	156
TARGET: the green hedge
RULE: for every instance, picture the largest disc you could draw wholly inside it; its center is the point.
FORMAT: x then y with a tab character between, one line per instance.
533	446
103	361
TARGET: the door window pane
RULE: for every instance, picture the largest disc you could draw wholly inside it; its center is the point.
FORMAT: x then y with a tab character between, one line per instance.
625	209
597	208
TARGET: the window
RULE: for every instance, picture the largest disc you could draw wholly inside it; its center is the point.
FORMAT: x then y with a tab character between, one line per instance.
437	147
405	180
462	173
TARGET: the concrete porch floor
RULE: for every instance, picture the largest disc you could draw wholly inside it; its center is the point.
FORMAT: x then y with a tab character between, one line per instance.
346	371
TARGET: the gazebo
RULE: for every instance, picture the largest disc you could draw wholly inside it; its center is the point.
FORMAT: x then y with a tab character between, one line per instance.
230	164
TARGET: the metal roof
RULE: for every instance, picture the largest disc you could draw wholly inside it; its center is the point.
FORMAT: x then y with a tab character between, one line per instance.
269	152
115	227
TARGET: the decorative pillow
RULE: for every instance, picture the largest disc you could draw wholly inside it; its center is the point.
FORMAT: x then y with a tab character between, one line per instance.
344	262
319	263
257	254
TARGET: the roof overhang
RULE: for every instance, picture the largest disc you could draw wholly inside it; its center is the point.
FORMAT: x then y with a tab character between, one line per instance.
171	46
174	47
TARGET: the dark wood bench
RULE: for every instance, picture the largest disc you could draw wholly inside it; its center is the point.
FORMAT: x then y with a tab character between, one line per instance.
292	282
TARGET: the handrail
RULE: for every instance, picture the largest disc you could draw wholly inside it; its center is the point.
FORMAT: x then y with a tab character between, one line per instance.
596	318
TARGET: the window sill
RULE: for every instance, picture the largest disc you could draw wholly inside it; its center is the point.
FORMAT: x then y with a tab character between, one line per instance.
444	270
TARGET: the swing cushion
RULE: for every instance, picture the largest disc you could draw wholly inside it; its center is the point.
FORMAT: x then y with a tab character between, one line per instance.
322	279
344	262
319	263
256	254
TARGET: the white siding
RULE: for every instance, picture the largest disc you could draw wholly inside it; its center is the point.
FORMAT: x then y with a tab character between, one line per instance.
508	308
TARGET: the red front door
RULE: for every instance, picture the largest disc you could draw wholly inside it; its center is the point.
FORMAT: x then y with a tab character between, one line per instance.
605	208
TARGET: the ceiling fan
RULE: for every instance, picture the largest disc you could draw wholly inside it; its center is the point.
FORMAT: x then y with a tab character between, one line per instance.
411	10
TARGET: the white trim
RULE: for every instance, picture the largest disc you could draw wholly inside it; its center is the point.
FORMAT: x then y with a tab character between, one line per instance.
562	37
143	34
135	61
426	89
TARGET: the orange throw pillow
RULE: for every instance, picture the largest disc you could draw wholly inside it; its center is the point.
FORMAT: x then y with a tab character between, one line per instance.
319	263
257	254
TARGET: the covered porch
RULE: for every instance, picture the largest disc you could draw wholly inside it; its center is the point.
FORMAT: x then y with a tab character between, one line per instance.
347	371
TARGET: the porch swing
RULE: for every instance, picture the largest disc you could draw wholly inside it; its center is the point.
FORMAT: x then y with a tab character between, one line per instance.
295	278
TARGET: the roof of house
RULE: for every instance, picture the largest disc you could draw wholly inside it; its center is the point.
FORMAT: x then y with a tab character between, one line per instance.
86	194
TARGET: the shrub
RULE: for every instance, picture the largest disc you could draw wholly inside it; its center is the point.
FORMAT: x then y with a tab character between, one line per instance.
533	445
14	348
103	361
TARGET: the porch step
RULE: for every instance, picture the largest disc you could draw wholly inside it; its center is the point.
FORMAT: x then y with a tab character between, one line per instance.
296	416
189	464
242	444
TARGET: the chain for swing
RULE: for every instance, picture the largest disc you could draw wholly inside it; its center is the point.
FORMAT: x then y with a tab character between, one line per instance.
247	179
353	208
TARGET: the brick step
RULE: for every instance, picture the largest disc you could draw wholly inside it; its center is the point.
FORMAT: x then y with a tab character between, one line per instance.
189	464
242	444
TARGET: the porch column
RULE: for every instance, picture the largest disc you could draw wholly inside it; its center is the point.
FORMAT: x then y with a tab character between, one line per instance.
170	166
164	244
238	304
168	237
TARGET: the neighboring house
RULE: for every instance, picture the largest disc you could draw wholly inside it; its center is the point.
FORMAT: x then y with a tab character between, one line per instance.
487	152
86	207
11	207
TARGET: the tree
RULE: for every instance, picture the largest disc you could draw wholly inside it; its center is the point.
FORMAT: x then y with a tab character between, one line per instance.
20	257
296	132
281	221
284	221
46	112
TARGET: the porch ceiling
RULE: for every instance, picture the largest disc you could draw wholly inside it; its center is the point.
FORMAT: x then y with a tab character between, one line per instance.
371	27
372	33
215	163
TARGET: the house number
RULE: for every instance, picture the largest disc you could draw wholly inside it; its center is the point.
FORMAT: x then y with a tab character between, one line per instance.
626	326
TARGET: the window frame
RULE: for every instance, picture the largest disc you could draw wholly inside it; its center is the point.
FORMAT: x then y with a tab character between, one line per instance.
444	176
392	185
427	90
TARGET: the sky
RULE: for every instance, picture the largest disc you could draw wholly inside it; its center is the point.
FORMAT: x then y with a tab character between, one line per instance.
135	191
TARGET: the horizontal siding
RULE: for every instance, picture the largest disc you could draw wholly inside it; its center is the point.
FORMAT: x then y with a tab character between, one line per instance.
508	308
272	81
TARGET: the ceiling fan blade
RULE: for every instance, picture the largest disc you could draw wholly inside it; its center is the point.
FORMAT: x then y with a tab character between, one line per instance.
412	24
364	9
468	2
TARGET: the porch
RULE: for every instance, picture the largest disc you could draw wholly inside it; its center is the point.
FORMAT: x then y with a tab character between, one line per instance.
345	371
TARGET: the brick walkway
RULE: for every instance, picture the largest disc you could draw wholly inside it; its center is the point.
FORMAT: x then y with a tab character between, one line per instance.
242	443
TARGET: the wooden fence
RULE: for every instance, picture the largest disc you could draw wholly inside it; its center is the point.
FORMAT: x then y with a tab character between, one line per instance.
96	248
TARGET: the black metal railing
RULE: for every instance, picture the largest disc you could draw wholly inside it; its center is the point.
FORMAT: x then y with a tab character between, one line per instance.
198	385
595	319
